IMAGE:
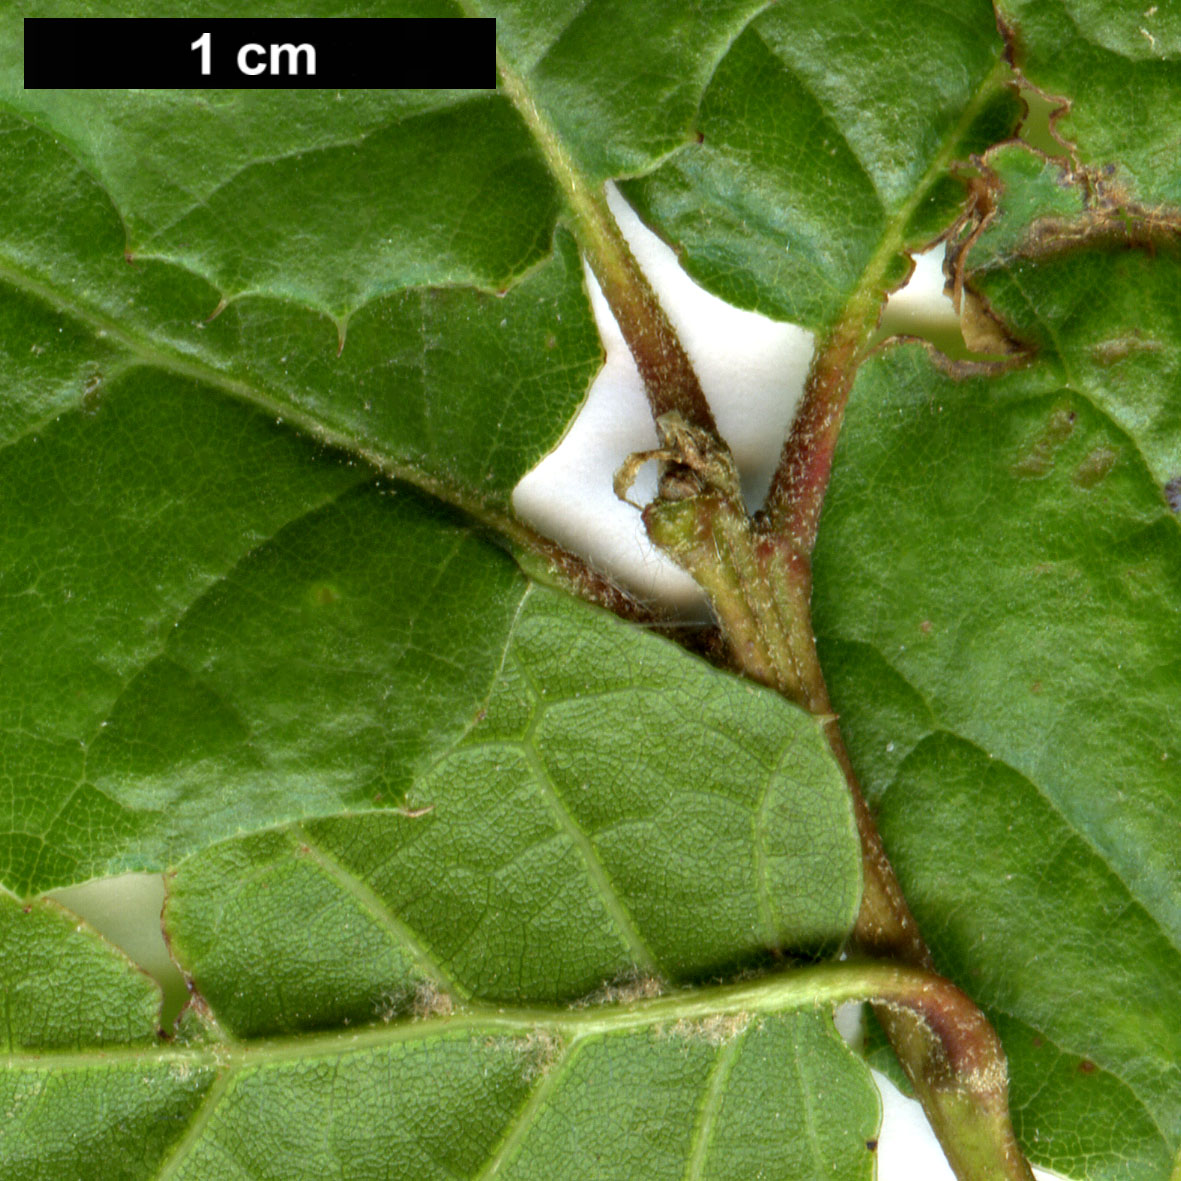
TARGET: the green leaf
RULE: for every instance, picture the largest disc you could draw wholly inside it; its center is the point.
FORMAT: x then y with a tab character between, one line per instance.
221	616
998	624
549	851
267	226
287	654
294	639
372	182
619	82
564	845
250	663
68	997
271	364
826	137
1117	66
1120	351
719	1083
92	320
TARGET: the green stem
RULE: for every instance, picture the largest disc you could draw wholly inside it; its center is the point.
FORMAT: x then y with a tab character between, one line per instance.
798	486
758	579
754	585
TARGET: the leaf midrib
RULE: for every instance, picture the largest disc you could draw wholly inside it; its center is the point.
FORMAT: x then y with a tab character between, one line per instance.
813	988
821	985
892	242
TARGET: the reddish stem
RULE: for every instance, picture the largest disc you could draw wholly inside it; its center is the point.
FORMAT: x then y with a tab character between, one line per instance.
797	490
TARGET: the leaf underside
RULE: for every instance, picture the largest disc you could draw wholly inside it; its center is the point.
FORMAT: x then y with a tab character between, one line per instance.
272	363
1003	650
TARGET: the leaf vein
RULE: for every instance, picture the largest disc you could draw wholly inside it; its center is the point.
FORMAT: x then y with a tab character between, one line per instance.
601	881
356	141
1065	1050
418	947
519	1129
200	1119
1072	829
713	1096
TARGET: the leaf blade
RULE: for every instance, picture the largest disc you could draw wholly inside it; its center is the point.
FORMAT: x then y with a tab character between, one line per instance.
479	1092
816	169
1019	606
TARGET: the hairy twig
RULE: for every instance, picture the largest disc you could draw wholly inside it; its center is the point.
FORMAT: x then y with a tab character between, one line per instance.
759	584
758	578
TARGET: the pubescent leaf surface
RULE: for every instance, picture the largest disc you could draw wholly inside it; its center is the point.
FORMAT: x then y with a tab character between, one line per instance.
232	320
406	778
604	1090
94	313
998	591
560	851
615	818
617	808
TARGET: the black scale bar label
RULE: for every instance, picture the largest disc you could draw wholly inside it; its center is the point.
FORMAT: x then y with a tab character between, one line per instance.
281	53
